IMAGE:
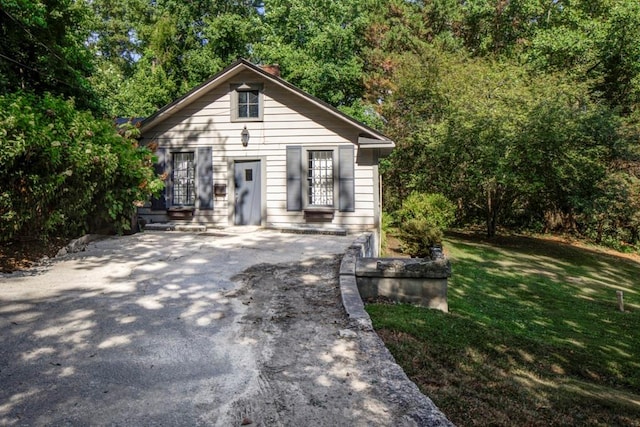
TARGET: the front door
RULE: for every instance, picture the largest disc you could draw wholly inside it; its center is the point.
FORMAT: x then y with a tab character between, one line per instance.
248	203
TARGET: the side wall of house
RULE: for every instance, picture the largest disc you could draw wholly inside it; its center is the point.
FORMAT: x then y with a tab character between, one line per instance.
288	120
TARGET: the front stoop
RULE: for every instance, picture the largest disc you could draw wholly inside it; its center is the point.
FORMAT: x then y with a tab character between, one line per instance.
245	229
333	231
175	226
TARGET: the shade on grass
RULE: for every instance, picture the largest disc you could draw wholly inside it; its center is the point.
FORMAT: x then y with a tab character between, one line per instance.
534	335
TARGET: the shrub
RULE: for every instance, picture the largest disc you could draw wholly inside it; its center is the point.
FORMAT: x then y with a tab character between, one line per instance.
422	220
435	209
63	172
419	237
387	221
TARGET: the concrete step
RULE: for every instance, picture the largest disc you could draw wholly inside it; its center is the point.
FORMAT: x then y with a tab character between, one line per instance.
333	231
175	226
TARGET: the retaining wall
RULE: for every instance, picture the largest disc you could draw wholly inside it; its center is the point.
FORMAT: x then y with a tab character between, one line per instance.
413	280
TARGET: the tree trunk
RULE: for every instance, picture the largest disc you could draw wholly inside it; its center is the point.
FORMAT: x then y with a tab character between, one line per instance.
491	224
492	213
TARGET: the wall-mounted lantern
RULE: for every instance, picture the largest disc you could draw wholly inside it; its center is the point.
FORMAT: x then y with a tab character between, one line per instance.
245	137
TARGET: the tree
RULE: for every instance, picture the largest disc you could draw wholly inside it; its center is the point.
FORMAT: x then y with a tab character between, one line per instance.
62	171
43	49
163	49
318	46
504	144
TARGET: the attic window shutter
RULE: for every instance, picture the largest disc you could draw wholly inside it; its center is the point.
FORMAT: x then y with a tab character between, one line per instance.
204	169
346	181
294	178
160	167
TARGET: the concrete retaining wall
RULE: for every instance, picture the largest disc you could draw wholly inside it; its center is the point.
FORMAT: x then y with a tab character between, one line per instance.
412	280
420	410
363	246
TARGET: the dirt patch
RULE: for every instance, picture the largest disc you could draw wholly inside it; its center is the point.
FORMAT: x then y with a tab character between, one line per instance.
393	247
315	368
21	255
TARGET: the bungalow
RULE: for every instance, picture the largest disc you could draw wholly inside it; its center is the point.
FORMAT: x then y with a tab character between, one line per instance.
248	148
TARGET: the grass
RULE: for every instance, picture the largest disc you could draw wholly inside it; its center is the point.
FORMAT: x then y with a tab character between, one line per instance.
534	335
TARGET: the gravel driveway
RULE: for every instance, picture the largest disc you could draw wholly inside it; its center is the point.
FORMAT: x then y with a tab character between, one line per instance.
194	329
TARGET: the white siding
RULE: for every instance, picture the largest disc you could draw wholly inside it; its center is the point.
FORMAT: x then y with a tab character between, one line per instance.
288	120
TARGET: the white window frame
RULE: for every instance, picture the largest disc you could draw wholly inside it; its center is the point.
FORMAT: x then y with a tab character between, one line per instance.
190	187
246	87
307	195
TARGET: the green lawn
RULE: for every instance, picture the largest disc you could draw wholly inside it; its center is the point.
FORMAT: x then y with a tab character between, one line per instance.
534	335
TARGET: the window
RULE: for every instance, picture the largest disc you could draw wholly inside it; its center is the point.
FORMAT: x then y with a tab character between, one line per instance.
320	178
246	102
330	179
189	178
184	193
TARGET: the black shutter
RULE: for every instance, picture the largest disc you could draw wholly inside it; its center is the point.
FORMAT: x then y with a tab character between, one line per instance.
294	178
160	167
204	169
346	182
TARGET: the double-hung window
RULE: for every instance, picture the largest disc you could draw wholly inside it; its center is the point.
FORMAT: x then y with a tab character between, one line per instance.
189	179
184	191
320	178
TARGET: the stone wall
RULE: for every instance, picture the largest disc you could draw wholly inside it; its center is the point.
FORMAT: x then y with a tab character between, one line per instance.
420	410
363	246
413	280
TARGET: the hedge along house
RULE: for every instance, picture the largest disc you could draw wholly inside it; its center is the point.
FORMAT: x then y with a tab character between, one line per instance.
248	148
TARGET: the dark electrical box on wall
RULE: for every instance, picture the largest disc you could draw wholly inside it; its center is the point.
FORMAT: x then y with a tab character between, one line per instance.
220	190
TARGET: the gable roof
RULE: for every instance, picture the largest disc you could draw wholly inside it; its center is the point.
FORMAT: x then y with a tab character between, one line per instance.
370	138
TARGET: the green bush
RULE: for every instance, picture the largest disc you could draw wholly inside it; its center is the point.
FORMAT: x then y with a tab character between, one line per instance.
435	209
418	237
387	221
422	220
63	172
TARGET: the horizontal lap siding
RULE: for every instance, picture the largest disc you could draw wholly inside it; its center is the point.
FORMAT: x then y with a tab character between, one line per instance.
288	120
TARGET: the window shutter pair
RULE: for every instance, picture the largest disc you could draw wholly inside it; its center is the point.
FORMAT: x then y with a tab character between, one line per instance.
204	171
346	178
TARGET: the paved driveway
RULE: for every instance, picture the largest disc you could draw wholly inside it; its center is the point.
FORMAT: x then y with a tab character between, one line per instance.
137	330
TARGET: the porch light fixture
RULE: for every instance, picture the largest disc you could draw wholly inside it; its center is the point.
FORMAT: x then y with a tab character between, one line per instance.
245	136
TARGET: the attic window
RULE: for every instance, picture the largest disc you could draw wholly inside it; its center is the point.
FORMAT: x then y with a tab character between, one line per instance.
246	102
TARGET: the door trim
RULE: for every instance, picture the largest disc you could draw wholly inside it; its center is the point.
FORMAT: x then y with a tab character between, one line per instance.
231	184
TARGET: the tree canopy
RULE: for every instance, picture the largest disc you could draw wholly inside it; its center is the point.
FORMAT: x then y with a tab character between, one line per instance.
43	49
523	113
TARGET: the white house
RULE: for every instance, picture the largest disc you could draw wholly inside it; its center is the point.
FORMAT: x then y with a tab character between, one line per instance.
248	148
